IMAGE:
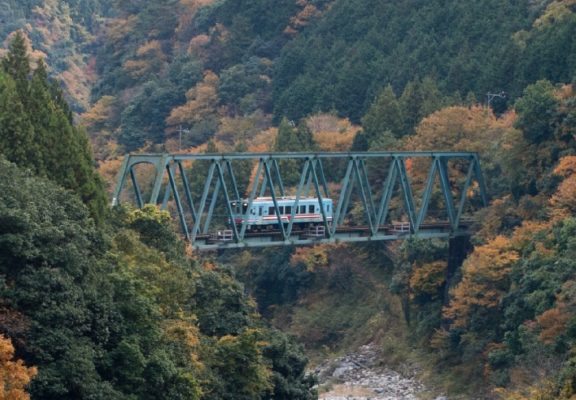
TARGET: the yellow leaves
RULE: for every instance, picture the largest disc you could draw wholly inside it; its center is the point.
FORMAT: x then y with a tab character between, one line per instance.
35	55
136	68
151	48
188	9
329	141
197	46
525	233
241	129
99	113
120	28
332	133
263	141
184	332
428	278
149	59
108	170
566	167
541	391
149	212
484	280
312	257
563	201
491	261
302	19
553	323
15	376
202	101
459	129
555	12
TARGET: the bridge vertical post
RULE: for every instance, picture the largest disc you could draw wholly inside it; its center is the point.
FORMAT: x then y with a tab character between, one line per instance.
121	181
458	249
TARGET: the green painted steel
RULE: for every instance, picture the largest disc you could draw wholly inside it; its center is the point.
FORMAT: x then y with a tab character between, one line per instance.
369	190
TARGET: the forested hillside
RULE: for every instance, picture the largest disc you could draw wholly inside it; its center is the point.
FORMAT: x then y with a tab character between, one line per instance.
107	304
63	33
102	303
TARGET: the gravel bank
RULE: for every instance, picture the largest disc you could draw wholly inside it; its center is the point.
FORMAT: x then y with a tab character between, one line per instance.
357	376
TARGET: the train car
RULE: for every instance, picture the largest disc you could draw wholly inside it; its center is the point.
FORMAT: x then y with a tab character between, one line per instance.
262	214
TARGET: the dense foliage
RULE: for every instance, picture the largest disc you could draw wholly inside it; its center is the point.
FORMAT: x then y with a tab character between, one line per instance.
34	117
137	319
110	306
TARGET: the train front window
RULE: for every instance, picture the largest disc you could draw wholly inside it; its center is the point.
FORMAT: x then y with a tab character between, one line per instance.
271	211
310	209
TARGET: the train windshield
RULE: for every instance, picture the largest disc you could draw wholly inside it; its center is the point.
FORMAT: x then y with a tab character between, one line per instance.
238	208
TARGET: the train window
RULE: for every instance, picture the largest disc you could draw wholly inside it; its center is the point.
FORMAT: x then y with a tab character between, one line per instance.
271	211
260	211
288	210
328	207
302	209
281	208
253	211
311	209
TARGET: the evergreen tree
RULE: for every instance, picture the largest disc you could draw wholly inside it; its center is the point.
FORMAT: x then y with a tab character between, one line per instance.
537	110
16	133
38	132
17	63
384	118
419	99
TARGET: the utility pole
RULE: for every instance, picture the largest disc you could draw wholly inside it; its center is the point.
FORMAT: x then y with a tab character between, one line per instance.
491	96
180	131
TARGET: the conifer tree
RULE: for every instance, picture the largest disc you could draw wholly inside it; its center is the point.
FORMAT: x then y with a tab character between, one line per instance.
419	99
291	138
17	63
38	132
383	121
16	133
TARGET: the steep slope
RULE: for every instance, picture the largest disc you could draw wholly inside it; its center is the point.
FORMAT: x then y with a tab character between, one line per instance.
62	32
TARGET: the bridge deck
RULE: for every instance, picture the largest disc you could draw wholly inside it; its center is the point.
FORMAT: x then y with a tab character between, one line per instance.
224	239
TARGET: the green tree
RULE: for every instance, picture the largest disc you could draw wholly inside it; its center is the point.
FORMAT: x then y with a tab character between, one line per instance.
383	121
17	63
419	99
293	138
17	142
40	134
537	110
240	366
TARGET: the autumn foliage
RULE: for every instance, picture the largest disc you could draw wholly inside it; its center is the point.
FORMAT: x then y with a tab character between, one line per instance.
14	375
484	280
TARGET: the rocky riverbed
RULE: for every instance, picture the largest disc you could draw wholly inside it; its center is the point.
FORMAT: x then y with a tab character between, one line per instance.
359	376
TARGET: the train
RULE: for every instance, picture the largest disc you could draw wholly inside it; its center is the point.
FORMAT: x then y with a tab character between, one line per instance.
262	214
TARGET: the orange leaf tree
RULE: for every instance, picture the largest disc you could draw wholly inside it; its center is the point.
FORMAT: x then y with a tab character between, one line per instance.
14	374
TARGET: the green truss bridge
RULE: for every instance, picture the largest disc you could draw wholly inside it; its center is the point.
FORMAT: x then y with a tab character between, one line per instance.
266	199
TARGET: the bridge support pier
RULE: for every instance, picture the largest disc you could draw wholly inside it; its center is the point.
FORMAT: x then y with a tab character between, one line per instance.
458	249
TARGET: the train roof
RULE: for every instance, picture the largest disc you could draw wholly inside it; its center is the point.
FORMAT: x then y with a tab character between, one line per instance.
285	198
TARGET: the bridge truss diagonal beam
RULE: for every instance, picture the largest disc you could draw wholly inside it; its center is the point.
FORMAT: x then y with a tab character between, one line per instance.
375	195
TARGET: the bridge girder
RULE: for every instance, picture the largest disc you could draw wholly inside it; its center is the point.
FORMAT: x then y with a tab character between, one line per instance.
219	187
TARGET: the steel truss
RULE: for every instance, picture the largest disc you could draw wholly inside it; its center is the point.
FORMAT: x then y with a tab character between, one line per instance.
220	188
